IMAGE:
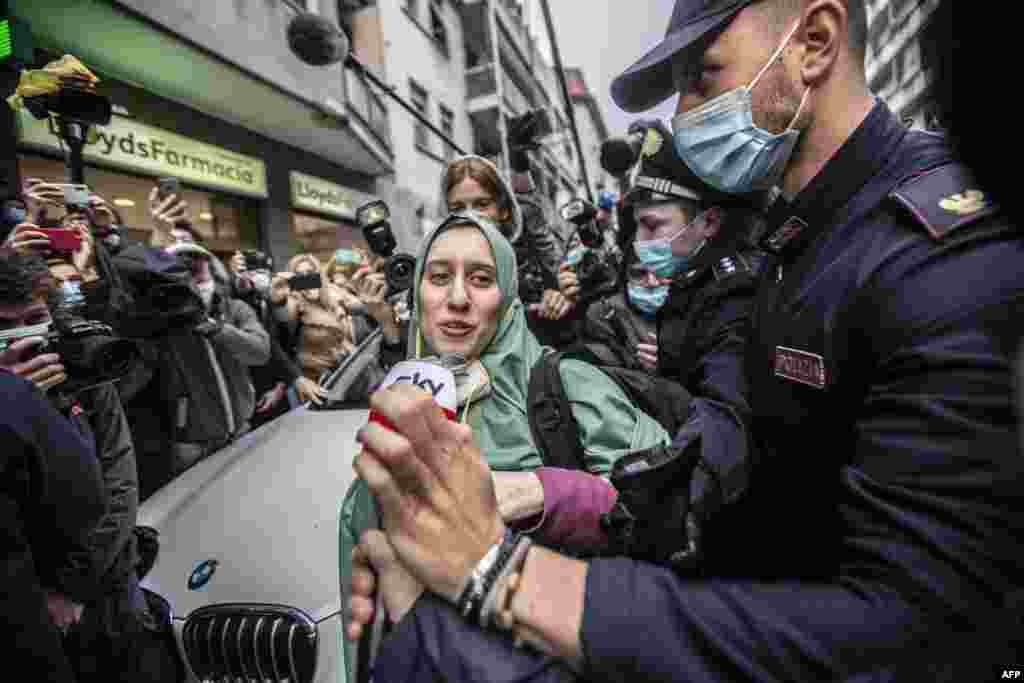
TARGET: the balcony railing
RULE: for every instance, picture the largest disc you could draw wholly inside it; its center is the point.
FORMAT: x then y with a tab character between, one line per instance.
368	106
481	81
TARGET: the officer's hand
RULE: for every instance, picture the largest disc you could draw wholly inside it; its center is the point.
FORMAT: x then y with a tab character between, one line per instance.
26	238
44	370
279	289
399	589
647	352
568	283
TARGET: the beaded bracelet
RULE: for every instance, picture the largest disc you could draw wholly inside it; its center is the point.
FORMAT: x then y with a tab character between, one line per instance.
481	579
495	598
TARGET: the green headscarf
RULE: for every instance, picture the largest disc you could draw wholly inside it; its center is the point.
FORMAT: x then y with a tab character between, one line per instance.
499	421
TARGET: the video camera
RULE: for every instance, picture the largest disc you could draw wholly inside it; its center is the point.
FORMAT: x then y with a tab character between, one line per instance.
592	270
399	269
89	351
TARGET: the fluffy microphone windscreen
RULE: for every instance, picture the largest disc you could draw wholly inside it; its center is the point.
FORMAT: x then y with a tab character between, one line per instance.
316	41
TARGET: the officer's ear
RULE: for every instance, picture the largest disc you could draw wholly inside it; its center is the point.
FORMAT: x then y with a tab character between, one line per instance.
712	222
823	36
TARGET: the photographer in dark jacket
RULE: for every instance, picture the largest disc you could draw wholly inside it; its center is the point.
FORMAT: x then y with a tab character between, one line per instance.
116	626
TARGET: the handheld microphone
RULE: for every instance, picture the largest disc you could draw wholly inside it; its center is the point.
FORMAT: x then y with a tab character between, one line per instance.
316	41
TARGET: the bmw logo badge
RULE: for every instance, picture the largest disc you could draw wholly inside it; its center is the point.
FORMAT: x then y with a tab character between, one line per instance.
202	574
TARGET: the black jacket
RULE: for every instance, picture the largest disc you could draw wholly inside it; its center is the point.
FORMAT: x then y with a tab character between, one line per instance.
51	499
112	544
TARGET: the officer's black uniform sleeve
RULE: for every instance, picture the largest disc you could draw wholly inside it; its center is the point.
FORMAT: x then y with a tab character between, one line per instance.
929	510
50	499
432	643
720	409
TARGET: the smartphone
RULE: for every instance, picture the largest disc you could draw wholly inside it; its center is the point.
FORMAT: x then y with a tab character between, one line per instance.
76	195
62	239
167	186
298	283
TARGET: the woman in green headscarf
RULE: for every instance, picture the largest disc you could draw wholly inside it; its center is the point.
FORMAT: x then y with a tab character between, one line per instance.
465	298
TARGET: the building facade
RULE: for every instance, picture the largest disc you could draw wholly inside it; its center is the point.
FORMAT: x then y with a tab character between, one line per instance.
271	153
424	59
592	129
897	69
507	76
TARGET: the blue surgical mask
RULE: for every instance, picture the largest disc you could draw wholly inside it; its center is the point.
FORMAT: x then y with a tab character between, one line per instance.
648	300
14	215
721	144
657	257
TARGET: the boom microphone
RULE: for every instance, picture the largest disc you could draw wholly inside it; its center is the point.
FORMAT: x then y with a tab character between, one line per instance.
618	155
316	41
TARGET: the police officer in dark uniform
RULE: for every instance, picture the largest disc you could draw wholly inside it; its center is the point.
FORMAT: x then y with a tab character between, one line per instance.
879	537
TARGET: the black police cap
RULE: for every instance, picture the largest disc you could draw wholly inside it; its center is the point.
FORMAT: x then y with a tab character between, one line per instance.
648	83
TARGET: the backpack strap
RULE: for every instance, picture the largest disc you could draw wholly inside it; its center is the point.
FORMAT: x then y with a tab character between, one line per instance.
553	426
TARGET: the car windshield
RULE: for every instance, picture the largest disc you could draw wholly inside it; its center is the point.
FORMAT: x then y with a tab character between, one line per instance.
350	385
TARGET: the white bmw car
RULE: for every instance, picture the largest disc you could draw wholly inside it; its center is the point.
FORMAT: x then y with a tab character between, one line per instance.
248	555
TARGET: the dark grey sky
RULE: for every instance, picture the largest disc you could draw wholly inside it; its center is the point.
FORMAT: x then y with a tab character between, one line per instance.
603	37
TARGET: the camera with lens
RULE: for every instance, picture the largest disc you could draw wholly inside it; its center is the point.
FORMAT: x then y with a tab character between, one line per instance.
374	219
592	269
89	351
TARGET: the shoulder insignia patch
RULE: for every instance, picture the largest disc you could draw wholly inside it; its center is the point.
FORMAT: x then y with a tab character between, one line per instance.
730	265
652	143
944	199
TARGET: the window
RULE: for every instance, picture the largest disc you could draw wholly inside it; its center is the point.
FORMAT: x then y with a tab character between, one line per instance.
437	27
421	136
448	128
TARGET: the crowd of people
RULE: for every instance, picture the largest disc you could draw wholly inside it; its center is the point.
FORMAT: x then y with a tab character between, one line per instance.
757	429
837	497
151	357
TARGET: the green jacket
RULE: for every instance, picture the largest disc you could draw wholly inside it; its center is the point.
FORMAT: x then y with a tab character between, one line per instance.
611	424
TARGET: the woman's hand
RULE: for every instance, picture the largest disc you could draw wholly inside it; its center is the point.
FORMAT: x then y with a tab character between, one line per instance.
647	352
309	391
371	288
520	495
45	370
568	283
399	589
271	398
40	194
165	213
279	289
27	239
553	306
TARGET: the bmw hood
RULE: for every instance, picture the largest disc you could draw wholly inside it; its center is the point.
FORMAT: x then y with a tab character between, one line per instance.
258	521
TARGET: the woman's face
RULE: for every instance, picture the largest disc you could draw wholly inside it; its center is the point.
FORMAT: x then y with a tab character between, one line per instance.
459	294
468	194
